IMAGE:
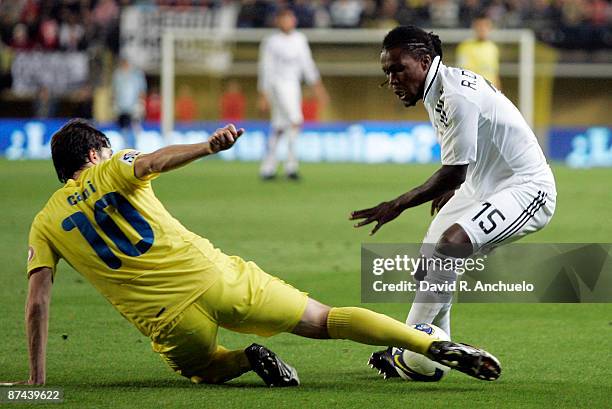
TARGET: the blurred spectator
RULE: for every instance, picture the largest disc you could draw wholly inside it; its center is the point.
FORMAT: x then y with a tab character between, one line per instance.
21	39
129	90
388	14
469	10
414	12
322	19
513	16
600	12
45	105
346	13
30	10
541	15
573	13
49	34
496	10
153	105
253	13
30	16
444	13
71	33
186	107
233	102
369	15
105	13
94	24
480	54
305	13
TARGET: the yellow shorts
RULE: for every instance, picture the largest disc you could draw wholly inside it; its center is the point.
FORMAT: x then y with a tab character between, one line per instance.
244	299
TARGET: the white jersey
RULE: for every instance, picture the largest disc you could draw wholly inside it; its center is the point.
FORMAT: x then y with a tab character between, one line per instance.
478	126
285	59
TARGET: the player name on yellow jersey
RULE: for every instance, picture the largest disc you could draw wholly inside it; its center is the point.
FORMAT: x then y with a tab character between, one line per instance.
110	227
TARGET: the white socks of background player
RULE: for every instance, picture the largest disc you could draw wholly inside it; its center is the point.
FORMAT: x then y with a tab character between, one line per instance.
291	165
269	163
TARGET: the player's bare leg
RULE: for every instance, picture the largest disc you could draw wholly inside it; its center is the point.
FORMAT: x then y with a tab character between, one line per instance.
367	327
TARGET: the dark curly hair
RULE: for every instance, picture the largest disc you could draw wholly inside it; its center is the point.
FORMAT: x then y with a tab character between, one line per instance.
70	147
415	40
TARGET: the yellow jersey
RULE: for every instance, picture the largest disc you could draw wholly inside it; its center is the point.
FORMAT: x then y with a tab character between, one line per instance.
111	228
481	57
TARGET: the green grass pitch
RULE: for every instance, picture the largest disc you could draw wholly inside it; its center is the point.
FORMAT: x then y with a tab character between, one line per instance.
553	355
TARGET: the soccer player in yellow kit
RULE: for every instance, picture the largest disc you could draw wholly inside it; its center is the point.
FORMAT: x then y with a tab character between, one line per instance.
479	54
172	284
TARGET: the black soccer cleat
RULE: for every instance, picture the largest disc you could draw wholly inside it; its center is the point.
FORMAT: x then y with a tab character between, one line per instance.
294	176
268	178
270	367
382	361
466	358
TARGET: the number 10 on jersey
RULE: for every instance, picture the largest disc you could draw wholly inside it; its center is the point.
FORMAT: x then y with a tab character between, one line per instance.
110	228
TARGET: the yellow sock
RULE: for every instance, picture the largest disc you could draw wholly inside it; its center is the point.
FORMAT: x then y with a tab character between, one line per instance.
224	365
369	327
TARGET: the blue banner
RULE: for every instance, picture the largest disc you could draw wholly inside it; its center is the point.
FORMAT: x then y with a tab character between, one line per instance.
581	147
366	141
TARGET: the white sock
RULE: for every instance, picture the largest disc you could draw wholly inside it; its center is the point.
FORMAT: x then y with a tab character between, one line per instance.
270	163
434	307
291	165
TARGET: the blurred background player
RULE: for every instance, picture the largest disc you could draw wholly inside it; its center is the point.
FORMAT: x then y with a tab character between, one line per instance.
284	59
129	94
479	54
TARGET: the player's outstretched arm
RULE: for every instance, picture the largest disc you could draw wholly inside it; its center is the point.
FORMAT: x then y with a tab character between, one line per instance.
175	156
448	178
37	322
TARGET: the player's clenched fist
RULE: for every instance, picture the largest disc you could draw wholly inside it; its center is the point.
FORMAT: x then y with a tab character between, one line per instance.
224	138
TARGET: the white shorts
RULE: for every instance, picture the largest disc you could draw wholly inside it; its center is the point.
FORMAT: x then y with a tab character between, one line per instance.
286	104
503	217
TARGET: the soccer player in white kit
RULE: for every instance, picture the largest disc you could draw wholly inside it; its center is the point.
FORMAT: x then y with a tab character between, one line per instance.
284	59
494	185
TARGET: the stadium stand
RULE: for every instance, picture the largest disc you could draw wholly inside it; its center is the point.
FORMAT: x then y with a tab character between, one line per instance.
84	35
